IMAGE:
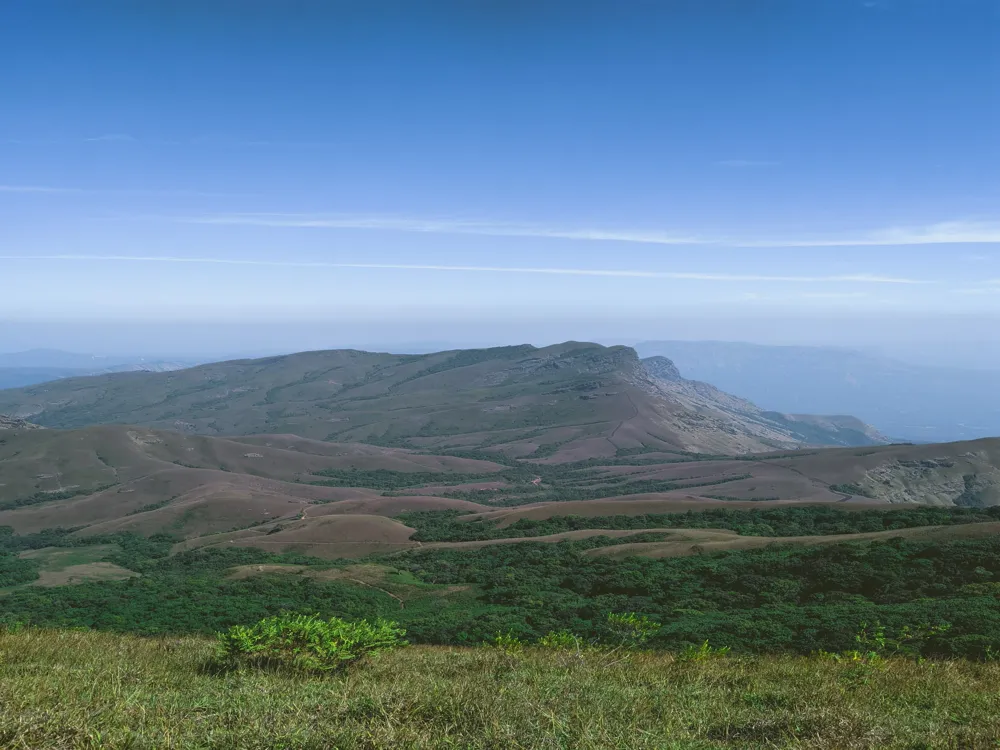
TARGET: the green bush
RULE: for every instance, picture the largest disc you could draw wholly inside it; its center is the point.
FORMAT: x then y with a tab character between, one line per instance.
704	652
307	642
561	640
631	629
507	642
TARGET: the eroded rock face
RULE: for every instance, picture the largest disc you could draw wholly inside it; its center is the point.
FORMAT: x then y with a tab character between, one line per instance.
662	368
724	413
969	481
13	423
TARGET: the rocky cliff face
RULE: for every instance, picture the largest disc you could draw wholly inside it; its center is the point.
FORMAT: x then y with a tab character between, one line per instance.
782	431
969	480
13	423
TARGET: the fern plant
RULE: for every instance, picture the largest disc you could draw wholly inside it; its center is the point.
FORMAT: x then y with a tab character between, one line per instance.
307	642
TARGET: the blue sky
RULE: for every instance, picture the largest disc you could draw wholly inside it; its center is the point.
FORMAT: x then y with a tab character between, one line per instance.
372	160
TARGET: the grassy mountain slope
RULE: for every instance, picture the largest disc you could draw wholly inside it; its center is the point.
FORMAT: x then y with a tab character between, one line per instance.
570	401
65	690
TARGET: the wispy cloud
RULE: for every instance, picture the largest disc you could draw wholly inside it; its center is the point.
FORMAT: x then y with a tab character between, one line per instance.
942	233
617	273
833	295
444	226
741	163
953	232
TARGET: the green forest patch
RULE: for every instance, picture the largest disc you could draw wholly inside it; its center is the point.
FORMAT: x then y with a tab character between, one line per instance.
55	559
61	566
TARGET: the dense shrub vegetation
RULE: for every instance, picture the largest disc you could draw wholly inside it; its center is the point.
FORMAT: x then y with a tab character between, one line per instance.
448	526
798	599
777	599
14	570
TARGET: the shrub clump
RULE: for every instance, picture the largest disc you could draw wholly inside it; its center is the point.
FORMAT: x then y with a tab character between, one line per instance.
307	642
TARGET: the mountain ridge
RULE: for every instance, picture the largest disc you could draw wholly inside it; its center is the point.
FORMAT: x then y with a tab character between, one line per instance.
568	401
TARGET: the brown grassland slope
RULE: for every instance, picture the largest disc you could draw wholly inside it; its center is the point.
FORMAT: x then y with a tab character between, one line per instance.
115	478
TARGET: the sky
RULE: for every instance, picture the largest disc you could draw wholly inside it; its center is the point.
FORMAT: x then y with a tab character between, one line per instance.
258	175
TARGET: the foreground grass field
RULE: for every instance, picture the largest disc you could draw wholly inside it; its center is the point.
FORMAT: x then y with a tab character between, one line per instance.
68	689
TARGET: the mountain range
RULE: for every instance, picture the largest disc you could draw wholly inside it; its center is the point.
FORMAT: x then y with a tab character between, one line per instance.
318	451
573	400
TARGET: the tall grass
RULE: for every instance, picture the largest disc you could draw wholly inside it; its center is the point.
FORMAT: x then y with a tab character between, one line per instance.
67	689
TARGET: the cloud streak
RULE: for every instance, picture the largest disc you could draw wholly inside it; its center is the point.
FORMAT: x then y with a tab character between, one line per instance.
612	273
942	233
953	232
442	226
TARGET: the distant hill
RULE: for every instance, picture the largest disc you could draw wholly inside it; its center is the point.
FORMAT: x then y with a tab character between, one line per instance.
19	369
911	402
564	402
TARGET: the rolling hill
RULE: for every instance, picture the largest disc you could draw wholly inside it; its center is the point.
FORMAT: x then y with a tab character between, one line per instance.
570	401
113	478
278	488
